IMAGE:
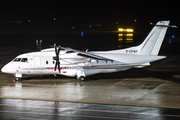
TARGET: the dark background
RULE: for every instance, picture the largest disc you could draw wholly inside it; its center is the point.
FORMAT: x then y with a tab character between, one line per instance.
105	17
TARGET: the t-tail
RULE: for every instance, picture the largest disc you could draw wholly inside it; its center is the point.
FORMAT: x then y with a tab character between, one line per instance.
152	43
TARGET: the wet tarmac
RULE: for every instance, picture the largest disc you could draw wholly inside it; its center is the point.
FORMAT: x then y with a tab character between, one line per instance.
52	110
154	86
152	92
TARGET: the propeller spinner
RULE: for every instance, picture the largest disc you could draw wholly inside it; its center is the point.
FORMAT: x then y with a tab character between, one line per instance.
56	58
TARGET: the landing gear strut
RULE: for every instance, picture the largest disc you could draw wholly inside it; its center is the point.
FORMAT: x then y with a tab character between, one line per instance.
17	76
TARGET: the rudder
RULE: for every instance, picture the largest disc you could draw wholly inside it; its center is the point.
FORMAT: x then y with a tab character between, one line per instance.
152	44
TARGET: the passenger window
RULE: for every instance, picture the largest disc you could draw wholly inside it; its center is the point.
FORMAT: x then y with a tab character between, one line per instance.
17	59
24	60
46	62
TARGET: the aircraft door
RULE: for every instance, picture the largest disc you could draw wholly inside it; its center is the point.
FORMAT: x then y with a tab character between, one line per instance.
37	64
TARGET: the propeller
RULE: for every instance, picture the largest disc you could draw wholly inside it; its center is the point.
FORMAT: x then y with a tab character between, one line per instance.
38	44
56	58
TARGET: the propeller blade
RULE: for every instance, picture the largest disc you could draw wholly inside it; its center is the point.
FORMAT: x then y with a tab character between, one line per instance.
56	58
39	44
55	47
59	48
58	63
55	66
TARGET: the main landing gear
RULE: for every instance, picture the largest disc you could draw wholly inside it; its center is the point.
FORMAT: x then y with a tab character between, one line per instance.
81	78
80	75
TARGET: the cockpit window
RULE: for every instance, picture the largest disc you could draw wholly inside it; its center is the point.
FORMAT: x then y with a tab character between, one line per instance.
17	59
24	60
21	59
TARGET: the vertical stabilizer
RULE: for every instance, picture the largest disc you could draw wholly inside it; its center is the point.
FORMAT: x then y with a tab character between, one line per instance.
153	41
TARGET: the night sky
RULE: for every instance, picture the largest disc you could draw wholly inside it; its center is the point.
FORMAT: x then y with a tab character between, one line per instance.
81	14
90	12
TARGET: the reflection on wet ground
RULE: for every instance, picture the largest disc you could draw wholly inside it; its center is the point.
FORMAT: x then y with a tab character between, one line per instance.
33	109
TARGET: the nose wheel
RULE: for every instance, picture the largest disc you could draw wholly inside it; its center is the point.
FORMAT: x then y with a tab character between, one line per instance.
16	79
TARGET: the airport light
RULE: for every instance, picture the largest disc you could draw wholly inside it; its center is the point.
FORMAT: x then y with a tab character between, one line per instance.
82	34
129	30
121	29
128	35
169	41
129	39
120	34
120	39
125	35
125	30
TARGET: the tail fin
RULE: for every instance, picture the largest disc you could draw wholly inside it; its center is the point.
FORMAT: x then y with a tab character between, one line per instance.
151	45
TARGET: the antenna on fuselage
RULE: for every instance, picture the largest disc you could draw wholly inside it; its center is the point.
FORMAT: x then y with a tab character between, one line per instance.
39	44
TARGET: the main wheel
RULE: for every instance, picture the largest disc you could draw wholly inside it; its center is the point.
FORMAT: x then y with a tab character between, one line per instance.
81	78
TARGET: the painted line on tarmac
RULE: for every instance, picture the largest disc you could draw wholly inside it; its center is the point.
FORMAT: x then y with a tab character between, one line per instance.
4	81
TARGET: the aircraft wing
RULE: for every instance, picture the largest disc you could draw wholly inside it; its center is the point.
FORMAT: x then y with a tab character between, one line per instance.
86	54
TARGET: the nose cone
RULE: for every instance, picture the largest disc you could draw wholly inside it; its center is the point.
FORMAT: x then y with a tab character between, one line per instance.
4	69
7	68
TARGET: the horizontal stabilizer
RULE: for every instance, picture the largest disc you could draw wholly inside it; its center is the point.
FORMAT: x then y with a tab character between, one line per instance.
171	26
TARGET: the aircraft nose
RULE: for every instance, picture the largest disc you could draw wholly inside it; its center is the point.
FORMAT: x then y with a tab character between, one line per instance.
4	69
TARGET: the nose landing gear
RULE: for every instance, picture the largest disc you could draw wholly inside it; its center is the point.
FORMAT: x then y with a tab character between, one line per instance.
16	79
17	76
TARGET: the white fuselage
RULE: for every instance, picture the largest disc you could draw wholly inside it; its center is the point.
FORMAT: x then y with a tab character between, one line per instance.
81	64
71	64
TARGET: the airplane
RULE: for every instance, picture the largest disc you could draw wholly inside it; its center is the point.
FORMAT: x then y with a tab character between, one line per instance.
80	64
